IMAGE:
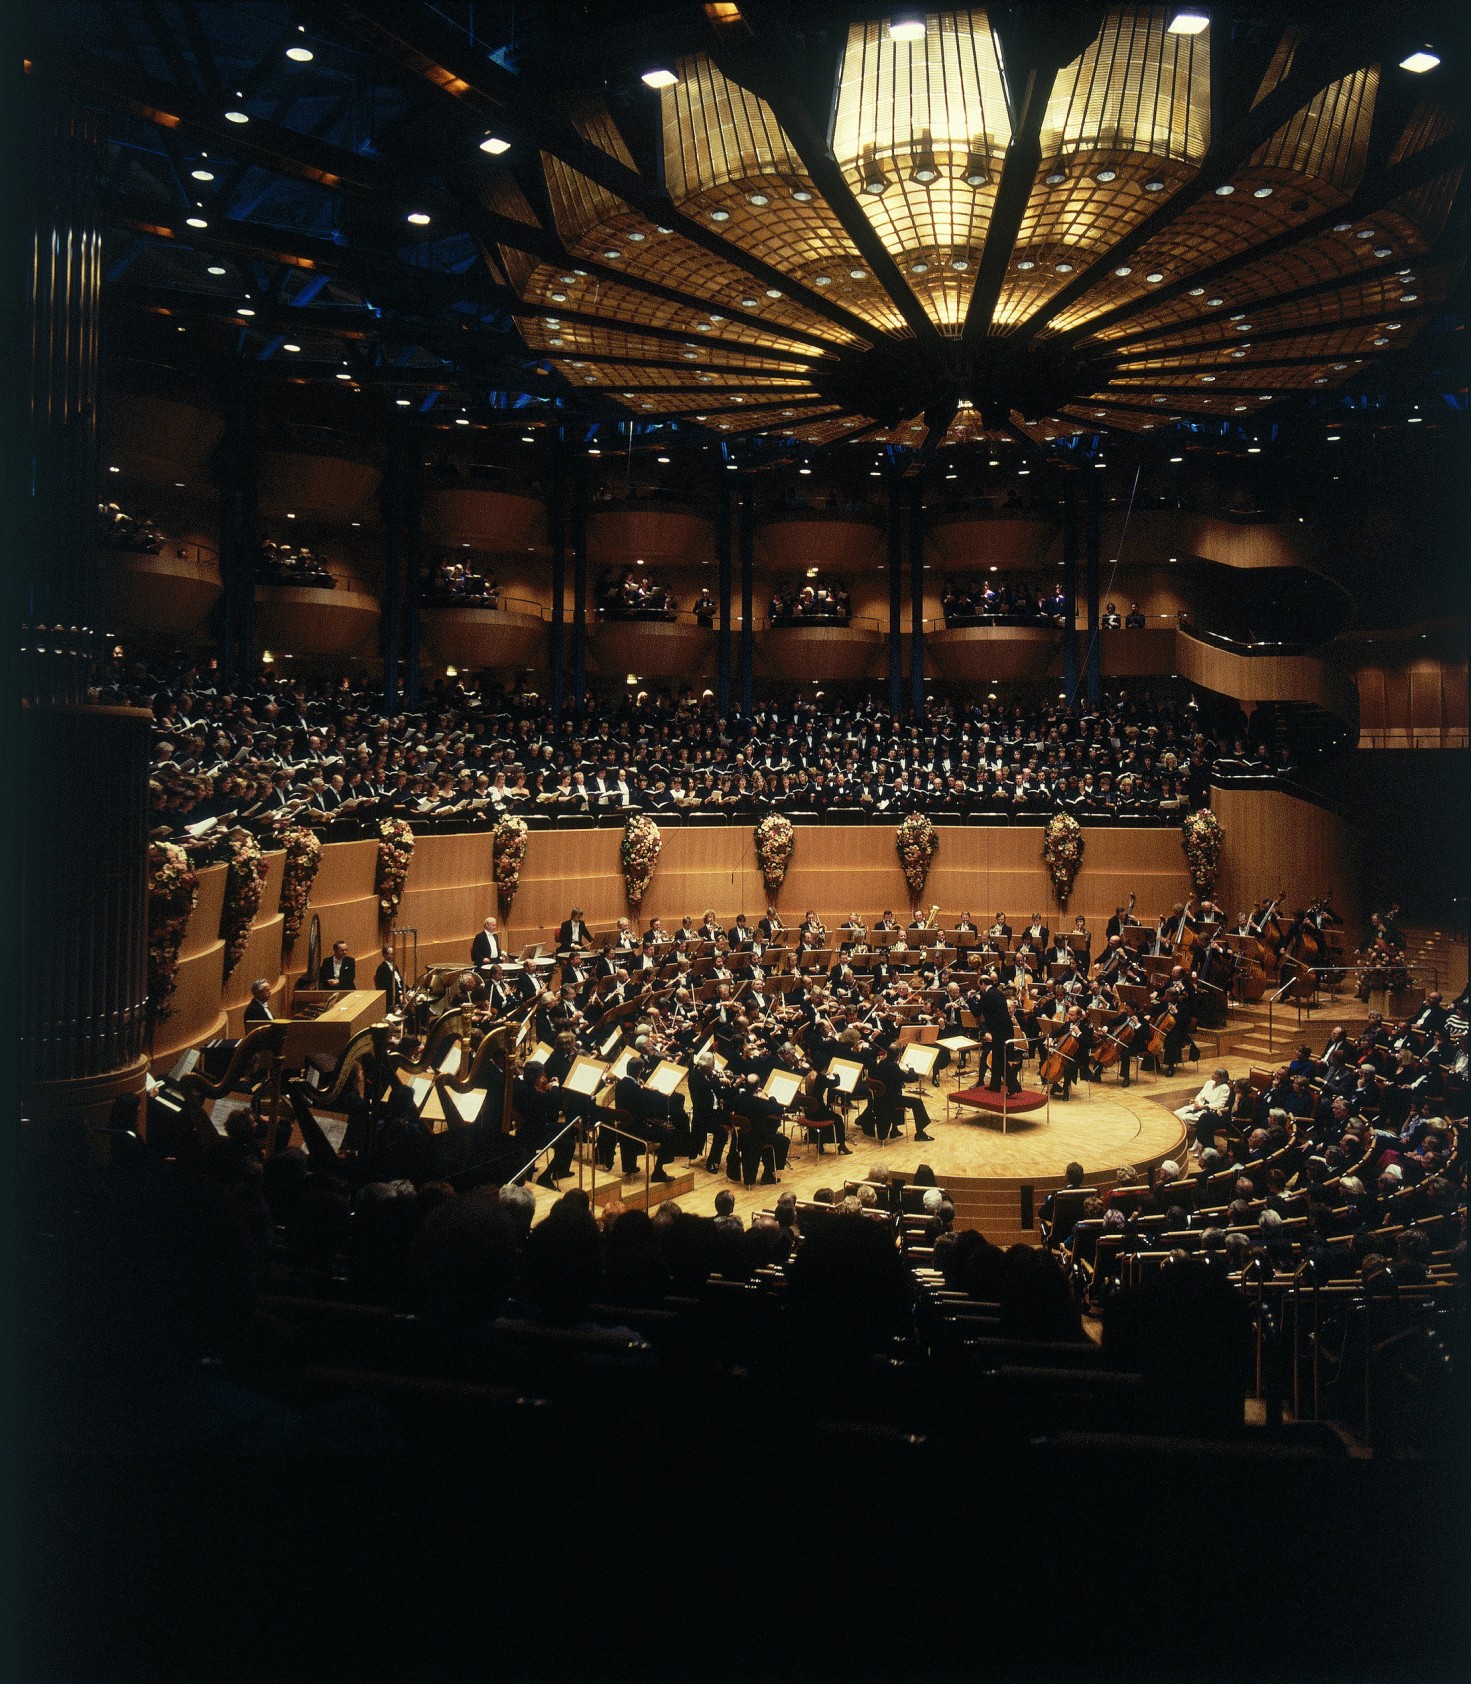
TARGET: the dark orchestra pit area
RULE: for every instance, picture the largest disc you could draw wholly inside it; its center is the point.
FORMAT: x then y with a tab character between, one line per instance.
741	842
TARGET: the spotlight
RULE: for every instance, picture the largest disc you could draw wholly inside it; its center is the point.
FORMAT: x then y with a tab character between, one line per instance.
244	310
419	219
494	145
1154	185
1225	190
195	222
874	179
289	347
202	175
925	169
1421	61
236	117
300	55
215	269
912	29
1055	177
658	78
976	174
1188	23
1261	192
402	403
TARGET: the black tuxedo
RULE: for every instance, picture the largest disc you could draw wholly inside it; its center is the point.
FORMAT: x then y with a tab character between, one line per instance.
390	980
258	1011
995	1015
346	972
570	931
486	949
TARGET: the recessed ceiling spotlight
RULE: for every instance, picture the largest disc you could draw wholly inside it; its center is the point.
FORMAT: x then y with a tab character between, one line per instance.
758	199
1214	303
1384	251
215	269
858	274
1064	268
612	254
1055	177
749	304
637	238
773	292
300	55
244	311
402	403
202	175
960	264
1177	458
658	78
822	280
1261	192
976	173
1107	175
289	347
802	195
875	182
1420	61
1154	277
1188	23
461	421
907	29
1225	190
1342	227
1124	270
720	216
236	117
1026	263
664	460
343	376
196	222
494	145
1408	297
420	219
920	268
1154	185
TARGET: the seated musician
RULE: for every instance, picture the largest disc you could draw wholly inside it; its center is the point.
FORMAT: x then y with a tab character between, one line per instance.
818	1114
884	1113
656	1117
624	939
1114	964
686	932
258	1007
887	921
707	1110
1074	1027
741	935
1060	952
761	1140
537	1101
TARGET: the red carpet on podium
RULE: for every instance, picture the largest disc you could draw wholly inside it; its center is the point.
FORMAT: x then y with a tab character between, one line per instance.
988	1099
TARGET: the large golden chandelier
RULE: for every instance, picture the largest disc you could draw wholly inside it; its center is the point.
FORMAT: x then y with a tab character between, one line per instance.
1001	233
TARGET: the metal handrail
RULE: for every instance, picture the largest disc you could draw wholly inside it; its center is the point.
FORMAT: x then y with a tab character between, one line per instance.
1316	971
542	1151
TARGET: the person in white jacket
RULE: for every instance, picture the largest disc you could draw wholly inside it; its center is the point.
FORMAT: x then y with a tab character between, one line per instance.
1215	1095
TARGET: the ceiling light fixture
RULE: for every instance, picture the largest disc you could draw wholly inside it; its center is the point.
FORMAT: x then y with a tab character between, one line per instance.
236	117
202	175
976	173
908	29
494	145
419	219
658	78
1419	62
1188	23
300	55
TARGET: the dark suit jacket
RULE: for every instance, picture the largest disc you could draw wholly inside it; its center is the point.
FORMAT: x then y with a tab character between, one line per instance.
346	976
388	979
258	1011
564	934
486	950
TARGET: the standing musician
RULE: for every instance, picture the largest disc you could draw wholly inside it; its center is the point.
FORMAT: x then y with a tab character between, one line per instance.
572	935
1000	929
389	980
1036	933
994	1012
486	947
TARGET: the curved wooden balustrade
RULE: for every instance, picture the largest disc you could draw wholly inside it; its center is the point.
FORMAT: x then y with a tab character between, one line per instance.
1139	653
821	654
620	537
484	637
650	648
305	621
165	594
980	654
157	441
1268	678
484	519
313	484
975	541
816	538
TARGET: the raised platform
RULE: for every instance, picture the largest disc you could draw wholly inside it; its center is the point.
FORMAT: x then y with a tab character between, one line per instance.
998	1103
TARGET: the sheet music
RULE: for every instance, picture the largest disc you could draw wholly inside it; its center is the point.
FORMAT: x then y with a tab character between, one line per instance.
471	1104
847	1072
666	1078
334	1127
584	1075
420	1087
957	1043
782	1086
918	1059
619	1067
451	1064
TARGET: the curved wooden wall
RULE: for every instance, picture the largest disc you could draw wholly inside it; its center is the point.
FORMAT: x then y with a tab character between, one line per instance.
157	440
1268	678
796	542
1412	686
649	648
484	637
304	621
302	483
980	654
1273	841
969	541
166	595
620	537
818	654
484	519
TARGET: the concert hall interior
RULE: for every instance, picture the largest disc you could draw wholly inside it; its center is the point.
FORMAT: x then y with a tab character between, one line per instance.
742	832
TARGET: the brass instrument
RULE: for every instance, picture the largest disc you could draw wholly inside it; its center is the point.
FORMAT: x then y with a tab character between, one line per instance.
932	917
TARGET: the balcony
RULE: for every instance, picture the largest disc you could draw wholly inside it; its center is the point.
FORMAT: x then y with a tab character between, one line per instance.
485	519
171	593
651	648
513	634
818	653
303	620
623	534
828	539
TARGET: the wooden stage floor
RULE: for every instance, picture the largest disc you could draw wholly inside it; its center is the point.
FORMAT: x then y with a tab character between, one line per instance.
1102	1129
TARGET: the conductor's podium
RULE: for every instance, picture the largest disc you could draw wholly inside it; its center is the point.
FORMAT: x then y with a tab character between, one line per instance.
325	1020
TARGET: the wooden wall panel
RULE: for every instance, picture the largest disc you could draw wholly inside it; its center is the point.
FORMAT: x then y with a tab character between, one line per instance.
196	1013
1278	843
346	871
204	921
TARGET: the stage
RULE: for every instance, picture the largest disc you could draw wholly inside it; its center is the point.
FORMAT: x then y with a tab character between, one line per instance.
1102	1129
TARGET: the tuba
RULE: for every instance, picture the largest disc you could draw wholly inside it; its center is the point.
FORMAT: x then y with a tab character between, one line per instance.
932	917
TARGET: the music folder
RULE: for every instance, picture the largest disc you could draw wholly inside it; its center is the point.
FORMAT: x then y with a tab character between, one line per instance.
918	1060
848	1073
666	1077
957	1043
584	1075
619	1067
782	1086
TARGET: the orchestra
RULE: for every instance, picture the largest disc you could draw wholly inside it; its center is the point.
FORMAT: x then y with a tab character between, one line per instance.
742	1024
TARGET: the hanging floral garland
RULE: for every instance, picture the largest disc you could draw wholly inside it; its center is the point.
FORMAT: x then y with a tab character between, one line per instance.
507	852
917	842
173	889
303	856
245	882
640	854
1062	850
395	850
1202	836
776	842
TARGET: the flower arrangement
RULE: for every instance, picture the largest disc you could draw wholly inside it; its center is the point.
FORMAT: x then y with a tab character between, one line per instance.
395	850
776	842
917	842
1201	836
244	884
303	856
639	853
1062	852
173	889
507	851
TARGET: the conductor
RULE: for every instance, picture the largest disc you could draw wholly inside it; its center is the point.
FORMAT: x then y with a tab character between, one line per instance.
996	1018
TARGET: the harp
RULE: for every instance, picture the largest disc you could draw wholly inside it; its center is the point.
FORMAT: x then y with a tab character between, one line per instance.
318	1112
489	1071
263	1044
444	1033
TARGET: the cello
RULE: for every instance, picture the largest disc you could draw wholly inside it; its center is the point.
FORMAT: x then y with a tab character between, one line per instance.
1061	1052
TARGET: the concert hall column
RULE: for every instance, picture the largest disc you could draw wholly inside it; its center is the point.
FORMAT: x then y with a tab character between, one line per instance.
1095	498
393	584
412	492
1070	586
579	581
916	597
82	807
896	598
239	526
748	634
557	534
722	592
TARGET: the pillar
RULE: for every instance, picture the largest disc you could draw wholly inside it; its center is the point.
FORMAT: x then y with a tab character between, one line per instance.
412	492
748	632
557	533
896	600
1070	586
1095	498
916	597
722	592
579	582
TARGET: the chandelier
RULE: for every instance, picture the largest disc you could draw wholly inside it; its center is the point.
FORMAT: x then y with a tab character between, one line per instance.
1002	233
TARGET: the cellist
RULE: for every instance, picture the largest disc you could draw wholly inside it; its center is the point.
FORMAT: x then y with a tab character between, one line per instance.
1066	1052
